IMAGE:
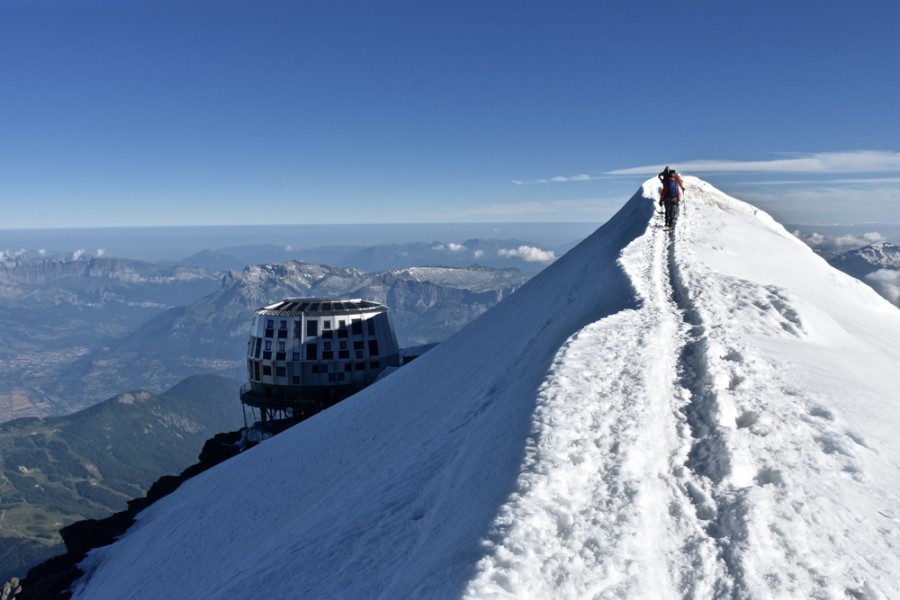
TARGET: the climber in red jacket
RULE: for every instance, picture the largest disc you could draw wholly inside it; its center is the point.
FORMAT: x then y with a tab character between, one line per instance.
670	194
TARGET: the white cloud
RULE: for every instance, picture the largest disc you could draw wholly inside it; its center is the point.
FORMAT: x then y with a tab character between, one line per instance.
528	254
840	243
828	203
478	253
79	253
851	241
557	179
851	181
101	252
861	161
813	240
451	246
43	252
887	283
7	255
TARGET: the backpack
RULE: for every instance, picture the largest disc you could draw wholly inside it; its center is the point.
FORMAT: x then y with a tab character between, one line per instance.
670	187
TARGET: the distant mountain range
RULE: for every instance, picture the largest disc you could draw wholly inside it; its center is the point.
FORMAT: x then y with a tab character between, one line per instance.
210	334
99	280
520	254
88	464
80	329
877	264
863	261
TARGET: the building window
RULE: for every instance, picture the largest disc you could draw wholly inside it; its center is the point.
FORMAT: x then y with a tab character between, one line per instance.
256	369
312	328
344	354
348	367
311	351
296	357
327	355
359	354
280	372
298	331
267	355
326	346
340	376
258	347
280	356
328	334
268	344
373	347
296	380
360	366
357	327
326	324
281	346
267	370
370	325
342	346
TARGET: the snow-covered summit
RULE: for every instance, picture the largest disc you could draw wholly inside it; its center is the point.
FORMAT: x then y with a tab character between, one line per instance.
699	413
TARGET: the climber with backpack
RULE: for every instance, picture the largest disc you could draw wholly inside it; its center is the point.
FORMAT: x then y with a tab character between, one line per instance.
670	195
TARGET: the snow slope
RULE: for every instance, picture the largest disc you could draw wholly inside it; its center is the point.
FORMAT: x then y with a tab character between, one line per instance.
703	413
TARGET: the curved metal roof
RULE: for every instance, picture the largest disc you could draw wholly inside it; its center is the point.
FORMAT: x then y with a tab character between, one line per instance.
293	307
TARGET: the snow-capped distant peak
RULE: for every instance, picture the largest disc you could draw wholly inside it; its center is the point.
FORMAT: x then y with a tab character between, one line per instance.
882	254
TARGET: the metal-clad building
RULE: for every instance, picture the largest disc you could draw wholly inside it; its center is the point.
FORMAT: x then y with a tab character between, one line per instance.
305	354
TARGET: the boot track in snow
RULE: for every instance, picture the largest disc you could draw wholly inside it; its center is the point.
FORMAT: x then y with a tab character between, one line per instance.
708	463
626	488
616	495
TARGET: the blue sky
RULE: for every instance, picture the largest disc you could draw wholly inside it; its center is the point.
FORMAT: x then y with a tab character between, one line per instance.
209	112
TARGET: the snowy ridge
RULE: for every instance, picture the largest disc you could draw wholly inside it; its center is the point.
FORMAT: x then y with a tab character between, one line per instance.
573	529
709	412
667	468
788	364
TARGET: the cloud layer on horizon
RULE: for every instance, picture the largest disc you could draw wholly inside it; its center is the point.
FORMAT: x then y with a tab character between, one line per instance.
859	161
